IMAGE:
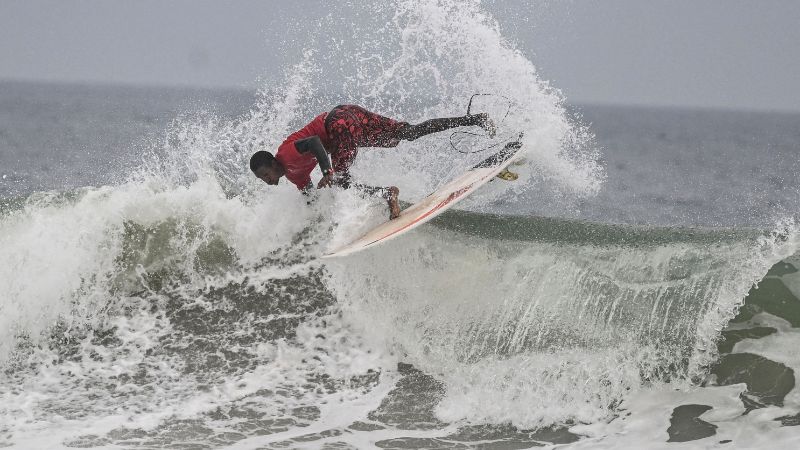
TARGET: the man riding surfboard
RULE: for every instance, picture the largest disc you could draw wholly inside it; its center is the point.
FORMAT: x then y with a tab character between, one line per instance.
332	140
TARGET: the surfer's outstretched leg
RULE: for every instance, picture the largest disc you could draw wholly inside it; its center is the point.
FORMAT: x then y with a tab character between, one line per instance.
411	131
350	127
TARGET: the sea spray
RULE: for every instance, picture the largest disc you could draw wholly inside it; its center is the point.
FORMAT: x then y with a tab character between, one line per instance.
433	56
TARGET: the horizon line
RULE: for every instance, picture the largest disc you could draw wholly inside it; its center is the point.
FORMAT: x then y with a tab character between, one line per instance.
570	102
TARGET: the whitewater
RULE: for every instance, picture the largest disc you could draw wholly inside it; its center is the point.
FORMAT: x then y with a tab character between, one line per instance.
183	304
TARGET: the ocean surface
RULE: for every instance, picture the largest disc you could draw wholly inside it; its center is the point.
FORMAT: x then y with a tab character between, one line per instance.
637	287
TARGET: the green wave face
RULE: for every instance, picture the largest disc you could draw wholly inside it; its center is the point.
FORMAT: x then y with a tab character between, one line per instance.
568	231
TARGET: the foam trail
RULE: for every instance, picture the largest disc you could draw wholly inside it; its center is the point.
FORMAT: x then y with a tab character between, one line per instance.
58	256
64	252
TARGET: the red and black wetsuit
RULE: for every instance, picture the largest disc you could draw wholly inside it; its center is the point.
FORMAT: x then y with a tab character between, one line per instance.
342	131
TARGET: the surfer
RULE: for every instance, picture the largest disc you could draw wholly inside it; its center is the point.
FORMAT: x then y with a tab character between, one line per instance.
332	140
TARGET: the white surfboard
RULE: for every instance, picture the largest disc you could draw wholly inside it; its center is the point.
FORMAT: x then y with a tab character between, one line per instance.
434	204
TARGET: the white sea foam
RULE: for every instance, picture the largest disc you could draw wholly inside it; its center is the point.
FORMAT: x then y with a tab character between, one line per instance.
60	252
520	322
646	414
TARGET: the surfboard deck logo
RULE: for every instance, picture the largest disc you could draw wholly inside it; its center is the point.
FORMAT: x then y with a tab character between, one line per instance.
436	203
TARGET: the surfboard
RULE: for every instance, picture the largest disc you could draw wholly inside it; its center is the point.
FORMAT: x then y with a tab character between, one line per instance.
434	204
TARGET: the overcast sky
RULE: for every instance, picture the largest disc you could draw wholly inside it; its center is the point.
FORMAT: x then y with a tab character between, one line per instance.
713	53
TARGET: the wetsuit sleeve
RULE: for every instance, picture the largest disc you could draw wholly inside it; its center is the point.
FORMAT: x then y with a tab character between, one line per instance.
314	145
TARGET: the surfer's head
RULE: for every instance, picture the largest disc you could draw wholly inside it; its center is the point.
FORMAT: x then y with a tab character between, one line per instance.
266	167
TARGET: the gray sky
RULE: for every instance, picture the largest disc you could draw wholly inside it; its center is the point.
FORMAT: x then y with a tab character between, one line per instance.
712	53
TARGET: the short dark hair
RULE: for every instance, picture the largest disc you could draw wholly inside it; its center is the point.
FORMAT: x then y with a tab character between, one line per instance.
260	159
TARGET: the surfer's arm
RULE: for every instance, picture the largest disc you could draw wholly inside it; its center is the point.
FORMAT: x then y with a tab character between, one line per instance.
314	145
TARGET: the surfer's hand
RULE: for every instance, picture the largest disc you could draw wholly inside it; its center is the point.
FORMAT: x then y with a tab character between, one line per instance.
326	181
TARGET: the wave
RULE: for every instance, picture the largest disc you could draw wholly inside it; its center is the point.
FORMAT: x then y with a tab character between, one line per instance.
511	308
191	292
566	315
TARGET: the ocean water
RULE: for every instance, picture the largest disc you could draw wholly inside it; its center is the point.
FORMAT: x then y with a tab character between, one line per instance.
637	287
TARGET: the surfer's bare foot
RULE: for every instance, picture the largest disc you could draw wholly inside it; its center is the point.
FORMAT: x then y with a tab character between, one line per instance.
485	122
394	205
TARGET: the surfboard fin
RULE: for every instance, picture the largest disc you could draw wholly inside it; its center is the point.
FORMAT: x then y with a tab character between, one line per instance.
507	175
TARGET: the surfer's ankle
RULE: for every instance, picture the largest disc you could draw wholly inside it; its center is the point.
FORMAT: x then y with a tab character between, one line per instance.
392	200
484	121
